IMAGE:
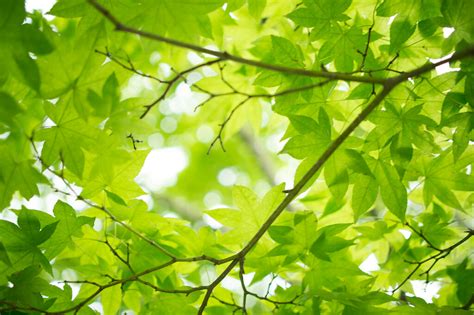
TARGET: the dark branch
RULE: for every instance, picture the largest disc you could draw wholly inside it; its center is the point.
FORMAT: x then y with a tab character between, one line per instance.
226	56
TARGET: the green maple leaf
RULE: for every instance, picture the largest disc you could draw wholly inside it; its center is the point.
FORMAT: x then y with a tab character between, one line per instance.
66	140
296	240
286	53
312	142
408	122
442	176
69	226
278	50
393	192
336	175
457	14
463	276
364	193
400	31
114	171
321	16
251	212
27	286
342	46
109	101
74	68
327	242
21	241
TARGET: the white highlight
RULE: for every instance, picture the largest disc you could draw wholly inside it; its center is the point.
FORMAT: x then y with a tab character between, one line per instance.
445	66
406	234
161	168
155	141
168	124
155	57
211	221
205	134
44	6
447	31
212	199
227	176
426	291
370	264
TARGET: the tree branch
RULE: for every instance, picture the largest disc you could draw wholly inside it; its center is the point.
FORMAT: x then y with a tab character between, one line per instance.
388	86
119	26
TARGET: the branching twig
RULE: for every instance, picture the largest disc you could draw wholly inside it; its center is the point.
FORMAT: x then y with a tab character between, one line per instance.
248	96
211	95
134	141
179	75
129	66
224	123
233	304
420	234
434	259
125	261
171	83
255	295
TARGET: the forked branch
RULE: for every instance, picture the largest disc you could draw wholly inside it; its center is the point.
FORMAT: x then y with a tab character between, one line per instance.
433	259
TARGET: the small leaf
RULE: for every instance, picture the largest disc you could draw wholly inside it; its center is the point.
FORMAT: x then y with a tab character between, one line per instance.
325	244
111	299
286	53
462	134
29	70
304	124
357	163
115	198
4	255
364	194
400	31
46	232
336	176
29	223
393	192
281	234
361	91
8	108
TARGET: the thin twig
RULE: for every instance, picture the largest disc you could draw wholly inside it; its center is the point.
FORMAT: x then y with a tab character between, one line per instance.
434	259
224	124
130	66
172	82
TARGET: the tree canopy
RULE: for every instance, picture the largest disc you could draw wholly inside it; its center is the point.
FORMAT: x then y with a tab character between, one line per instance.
367	104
